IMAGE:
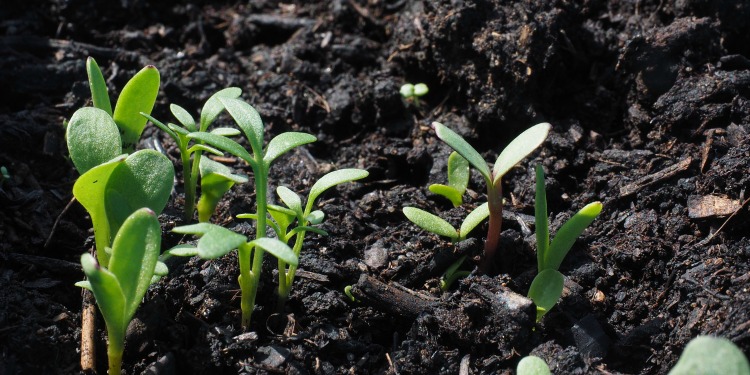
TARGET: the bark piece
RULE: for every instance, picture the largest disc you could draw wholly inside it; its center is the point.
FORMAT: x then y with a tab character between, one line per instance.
702	207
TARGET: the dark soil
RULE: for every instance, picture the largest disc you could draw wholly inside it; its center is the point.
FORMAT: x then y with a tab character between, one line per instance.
650	103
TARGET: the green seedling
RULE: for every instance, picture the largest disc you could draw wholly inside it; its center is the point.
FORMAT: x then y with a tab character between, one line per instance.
216	241
518	149
216	180
547	286
111	191
435	224
138	95
282	218
458	180
191	167
411	92
711	355
452	274
259	159
532	365
4	175
348	292
120	287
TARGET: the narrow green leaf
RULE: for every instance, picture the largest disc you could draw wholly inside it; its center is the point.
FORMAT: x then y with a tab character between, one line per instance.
138	95
214	241
566	236
89	191
225	132
278	249
459	144
209	149
532	365
248	119
290	199
108	294
546	290
473	219
177	129
85	284
92	138
448	192
315	217
99	91
161	126
213	106
307	228
541	220
183	250
135	251
430	222
144	180
458	172
277	208
519	148
209	167
184	117
332	179
225	144
284	142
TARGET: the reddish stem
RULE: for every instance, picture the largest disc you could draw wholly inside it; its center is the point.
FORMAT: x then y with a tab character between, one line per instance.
495	200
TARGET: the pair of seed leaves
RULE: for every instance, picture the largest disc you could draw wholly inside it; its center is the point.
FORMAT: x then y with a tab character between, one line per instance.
114	184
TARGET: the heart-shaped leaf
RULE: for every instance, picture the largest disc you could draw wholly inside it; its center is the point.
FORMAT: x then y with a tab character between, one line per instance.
93	138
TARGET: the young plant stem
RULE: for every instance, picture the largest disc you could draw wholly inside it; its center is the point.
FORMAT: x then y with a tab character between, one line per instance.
286	278
188	172
495	200
115	348
250	286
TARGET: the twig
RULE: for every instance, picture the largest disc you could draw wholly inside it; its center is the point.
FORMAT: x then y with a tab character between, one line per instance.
88	332
57	221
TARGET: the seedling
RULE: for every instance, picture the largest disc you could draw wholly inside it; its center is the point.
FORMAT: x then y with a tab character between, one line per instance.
452	274
259	159
411	92
518	149
120	287
283	217
711	355
191	167
216	180
216	241
458	180
532	365
138	95
348	292
435	224
547	286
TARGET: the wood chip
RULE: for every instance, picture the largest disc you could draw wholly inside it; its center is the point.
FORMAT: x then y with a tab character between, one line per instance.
655	177
701	207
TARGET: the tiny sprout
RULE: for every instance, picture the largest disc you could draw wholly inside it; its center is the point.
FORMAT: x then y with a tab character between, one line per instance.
547	286
452	274
412	93
119	288
458	180
532	365
517	149
434	224
348	292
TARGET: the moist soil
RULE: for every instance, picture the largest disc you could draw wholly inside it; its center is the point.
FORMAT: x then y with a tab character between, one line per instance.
650	106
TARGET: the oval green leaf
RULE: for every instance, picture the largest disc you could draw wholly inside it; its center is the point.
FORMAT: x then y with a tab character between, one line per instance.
278	249
290	199
93	138
430	222
248	119
532	365
546	290
519	148
284	142
711	355
332	179
138	95
184	117
473	219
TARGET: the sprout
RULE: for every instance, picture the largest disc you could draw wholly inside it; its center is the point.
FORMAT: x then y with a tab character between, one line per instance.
411	92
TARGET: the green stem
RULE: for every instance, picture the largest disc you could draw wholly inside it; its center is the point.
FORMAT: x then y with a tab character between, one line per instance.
251	289
187	177
288	274
115	348
248	284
